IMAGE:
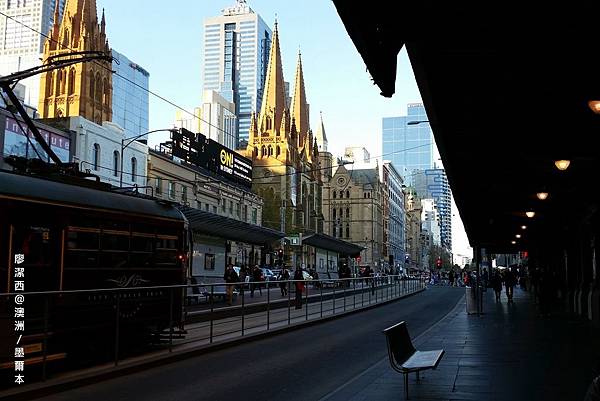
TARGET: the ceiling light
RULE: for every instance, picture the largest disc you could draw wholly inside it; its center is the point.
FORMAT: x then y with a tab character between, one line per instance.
513	242
518	236
542	195
595	106
562	164
523	227
530	214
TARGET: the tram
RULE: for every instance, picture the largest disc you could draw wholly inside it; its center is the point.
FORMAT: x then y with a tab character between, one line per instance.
69	238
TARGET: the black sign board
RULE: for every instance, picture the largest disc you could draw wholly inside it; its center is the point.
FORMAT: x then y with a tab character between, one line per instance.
197	150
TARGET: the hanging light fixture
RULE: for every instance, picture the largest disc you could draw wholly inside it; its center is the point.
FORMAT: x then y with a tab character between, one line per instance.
562	165
523	227
542	195
594	105
518	236
530	214
513	242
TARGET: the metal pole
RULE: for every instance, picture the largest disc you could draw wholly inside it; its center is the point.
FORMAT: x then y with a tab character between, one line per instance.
321	285
306	286
212	309
122	149
289	291
117	330
354	293
334	297
45	342
268	306
243	314
344	284
170	320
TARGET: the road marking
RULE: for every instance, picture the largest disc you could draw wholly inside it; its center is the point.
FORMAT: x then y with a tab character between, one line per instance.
376	364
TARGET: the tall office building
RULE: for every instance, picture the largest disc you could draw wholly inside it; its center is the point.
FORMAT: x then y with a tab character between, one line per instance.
433	183
21	44
130	96
236	54
408	142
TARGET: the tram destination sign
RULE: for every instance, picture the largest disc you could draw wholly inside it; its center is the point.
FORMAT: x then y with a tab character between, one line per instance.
197	150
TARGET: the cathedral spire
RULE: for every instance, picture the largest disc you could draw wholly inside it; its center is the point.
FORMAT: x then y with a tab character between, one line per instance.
321	138
273	103
103	24
299	105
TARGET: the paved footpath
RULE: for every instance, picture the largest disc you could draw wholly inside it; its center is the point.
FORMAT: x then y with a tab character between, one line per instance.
508	353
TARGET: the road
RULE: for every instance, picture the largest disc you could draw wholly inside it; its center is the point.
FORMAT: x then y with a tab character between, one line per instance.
306	364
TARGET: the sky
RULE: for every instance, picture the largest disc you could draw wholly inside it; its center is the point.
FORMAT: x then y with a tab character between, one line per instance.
166	40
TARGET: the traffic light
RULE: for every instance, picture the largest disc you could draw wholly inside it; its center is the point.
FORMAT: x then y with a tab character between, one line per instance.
280	253
438	262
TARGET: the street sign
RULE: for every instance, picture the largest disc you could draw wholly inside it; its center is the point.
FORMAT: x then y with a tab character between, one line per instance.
294	240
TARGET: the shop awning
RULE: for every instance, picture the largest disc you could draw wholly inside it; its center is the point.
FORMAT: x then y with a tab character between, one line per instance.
224	227
331	244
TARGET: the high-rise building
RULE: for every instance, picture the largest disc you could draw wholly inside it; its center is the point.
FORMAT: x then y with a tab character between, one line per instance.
236	53
21	44
83	89
408	141
394	216
433	183
130	96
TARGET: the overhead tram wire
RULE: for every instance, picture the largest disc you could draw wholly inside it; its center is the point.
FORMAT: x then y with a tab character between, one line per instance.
117	74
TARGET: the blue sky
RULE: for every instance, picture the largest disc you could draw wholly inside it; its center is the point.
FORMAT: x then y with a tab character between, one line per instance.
166	39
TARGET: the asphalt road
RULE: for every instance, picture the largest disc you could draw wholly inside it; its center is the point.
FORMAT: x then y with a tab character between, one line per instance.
306	364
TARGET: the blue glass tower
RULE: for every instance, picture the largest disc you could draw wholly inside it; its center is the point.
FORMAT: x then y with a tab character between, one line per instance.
408	146
236	53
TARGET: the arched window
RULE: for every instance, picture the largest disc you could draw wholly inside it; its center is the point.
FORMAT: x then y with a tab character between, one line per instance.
262	151
96	156
49	83
341	213
347	194
65	43
116	163
63	81
334	214
341	194
334	194
133	169
98	87
348	212
270	150
71	81
106	92
91	84
347	230
58	83
278	150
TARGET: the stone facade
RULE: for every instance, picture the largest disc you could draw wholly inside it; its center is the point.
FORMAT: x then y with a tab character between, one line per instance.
83	89
353	211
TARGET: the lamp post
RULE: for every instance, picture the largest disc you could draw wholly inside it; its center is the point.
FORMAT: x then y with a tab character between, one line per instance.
131	139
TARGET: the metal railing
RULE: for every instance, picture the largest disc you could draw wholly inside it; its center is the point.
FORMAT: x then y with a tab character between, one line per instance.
82	327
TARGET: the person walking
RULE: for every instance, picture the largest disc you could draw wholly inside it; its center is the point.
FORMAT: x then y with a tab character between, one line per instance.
283	283
496	283
299	284
256	278
509	283
230	278
451	278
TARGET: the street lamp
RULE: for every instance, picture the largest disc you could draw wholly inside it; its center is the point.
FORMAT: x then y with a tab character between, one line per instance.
131	139
416	122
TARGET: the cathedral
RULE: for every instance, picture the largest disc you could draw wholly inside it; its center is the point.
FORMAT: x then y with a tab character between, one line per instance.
284	153
83	89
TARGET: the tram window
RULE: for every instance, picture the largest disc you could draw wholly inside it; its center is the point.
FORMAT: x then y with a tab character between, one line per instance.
166	243
75	258
166	257
115	225
141	243
113	259
115	242
35	245
82	240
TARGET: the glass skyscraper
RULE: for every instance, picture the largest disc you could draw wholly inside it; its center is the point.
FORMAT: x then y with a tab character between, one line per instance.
433	184
408	146
236	52
22	47
130	101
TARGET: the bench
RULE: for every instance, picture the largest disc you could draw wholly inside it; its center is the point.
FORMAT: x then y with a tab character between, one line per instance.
404	358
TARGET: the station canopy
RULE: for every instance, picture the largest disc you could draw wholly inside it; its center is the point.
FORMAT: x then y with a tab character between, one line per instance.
332	244
224	227
506	86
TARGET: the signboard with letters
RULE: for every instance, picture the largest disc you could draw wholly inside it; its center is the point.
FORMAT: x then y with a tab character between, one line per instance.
197	150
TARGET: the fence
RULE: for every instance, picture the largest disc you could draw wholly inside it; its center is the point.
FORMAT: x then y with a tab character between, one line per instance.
79	328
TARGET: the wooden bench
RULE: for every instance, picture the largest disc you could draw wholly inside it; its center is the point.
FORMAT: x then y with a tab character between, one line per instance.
404	358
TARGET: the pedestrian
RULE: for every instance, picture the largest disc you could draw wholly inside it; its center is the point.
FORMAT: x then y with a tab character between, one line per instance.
299	284
496	283
230	278
509	283
284	276
256	277
451	278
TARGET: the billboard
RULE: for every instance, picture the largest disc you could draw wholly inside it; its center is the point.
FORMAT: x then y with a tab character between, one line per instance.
197	150
17	144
